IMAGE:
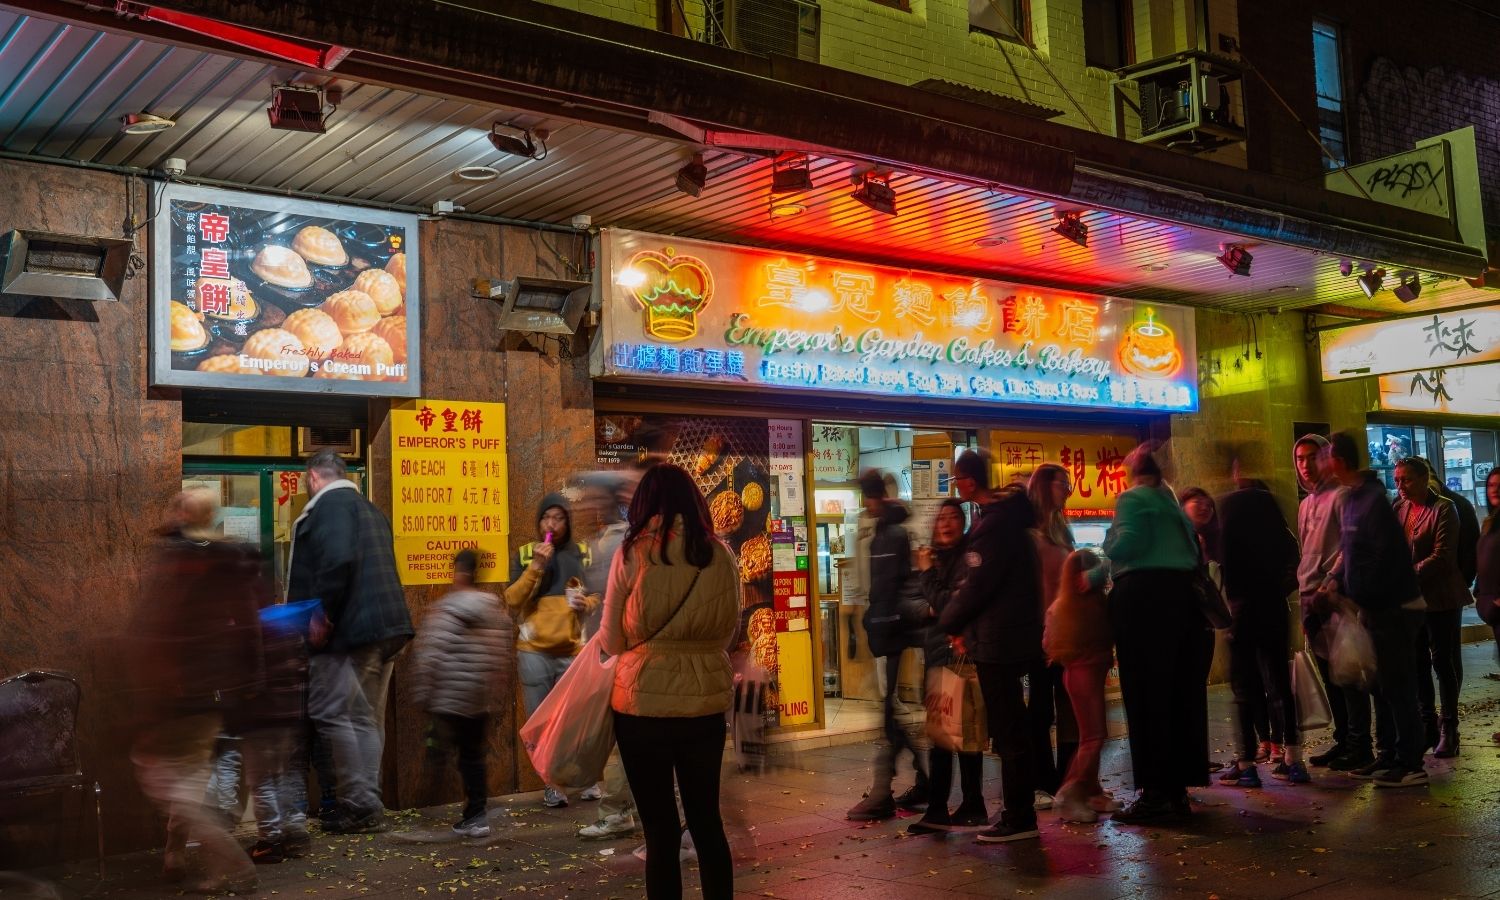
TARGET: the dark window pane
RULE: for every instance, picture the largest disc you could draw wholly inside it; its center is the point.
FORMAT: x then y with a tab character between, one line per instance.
1104	33
983	17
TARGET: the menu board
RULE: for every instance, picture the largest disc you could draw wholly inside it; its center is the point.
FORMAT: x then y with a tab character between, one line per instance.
448	488
272	294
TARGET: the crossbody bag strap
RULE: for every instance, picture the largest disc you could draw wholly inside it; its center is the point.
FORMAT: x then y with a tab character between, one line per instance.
680	604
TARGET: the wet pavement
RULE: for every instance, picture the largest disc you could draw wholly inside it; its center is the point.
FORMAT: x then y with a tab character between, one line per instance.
1336	837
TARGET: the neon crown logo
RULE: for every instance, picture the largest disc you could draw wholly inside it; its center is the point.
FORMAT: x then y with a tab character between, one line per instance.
672	290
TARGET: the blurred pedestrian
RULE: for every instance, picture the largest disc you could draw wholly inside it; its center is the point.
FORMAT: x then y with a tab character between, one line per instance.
995	619
1078	638
671	609
1163	640
343	556
195	657
274	726
1487	582
1318	534
549	603
941	567
462	663
1375	572
1431	526
1260	558
889	634
1047	698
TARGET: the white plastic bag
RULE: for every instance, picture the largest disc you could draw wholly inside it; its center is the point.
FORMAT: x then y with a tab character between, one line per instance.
1351	655
1313	711
570	735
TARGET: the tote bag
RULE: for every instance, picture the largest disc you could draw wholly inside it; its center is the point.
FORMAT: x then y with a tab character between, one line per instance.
1313	710
955	709
570	734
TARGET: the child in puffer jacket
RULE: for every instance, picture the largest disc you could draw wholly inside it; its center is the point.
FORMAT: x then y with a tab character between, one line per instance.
463	661
1078	637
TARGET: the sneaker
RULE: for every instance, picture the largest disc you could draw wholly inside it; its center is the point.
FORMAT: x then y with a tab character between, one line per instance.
1004	833
1319	760
1249	778
1266	751
1399	777
591	793
614	825
1043	800
1146	810
350	821
1375	767
267	853
1351	760
1231	774
1281	770
475	826
1297	774
925	825
872	809
977	817
914	799
552	798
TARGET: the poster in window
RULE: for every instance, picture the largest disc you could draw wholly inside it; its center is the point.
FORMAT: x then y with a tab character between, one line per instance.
251	292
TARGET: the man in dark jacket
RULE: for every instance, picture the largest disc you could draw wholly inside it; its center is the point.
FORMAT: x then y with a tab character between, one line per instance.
889	578
1375	572
343	555
996	619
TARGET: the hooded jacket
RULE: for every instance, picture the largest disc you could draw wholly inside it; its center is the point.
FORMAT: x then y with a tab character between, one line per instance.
538	600
463	658
998	610
890	578
1318	534
682	671
1374	568
1433	532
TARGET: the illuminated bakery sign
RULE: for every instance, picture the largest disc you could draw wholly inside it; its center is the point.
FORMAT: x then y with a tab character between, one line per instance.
694	311
1462	391
1417	343
271	294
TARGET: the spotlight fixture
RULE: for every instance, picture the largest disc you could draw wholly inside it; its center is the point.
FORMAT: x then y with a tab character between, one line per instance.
475	173
1235	258
302	107
1070	225
1372	281
791	172
693	177
875	192
786	209
988	241
529	145
1346	267
1410	287
145	123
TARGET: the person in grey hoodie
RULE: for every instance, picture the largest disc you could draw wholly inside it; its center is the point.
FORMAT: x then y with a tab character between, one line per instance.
464	660
1318	533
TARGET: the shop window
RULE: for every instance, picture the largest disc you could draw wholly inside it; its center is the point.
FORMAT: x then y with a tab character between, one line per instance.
1468	457
1108	38
1389	444
213	439
1328	73
1006	19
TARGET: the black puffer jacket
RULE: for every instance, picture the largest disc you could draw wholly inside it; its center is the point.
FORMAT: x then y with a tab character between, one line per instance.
998	610
890	581
938	584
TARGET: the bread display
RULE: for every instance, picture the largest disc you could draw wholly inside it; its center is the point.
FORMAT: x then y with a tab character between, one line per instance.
382	287
353	311
393	330
280	266
755	559
316	330
396	265
226	364
187	329
275	351
727	512
362	357
320	247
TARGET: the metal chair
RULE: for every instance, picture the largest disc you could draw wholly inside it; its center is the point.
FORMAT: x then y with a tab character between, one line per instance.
39	745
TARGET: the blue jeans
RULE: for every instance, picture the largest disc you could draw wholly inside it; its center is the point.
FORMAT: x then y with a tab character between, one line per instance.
278	788
539	674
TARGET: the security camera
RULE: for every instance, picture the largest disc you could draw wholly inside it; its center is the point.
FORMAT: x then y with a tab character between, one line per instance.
581	221
175	167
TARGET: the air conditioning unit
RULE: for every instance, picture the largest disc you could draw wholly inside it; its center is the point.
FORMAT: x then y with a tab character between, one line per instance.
71	266
343	441
765	27
1183	101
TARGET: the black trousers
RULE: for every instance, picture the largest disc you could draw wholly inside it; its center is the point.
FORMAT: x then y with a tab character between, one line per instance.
970	777
1047	702
1005	705
896	738
466	735
1351	712
1260	675
1397	636
1442	656
655	750
1165	649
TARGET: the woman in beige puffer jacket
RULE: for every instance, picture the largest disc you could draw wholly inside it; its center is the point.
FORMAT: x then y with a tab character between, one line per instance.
669	614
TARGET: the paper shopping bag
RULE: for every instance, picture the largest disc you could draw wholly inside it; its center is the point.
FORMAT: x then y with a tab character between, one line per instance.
955	709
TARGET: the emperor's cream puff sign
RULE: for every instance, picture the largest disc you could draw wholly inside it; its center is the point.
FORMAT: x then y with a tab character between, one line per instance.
684	310
272	294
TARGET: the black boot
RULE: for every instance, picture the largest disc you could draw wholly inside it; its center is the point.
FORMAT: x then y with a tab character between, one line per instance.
1433	733
1447	745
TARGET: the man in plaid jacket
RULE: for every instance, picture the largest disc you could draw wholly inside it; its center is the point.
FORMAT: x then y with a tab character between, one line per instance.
342	554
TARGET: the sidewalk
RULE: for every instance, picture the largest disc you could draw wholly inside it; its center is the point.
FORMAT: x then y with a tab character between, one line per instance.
1334	838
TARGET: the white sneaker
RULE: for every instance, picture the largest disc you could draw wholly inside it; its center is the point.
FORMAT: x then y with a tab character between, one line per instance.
608	827
552	798
1043	800
592	792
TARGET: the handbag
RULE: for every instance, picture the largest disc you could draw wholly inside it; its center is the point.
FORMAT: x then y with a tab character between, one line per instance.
1210	599
570	735
1313	709
955	708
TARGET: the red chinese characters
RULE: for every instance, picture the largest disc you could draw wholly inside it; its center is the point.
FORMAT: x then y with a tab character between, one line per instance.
214	227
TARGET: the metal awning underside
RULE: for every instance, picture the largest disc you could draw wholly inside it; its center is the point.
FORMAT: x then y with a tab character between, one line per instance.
65	87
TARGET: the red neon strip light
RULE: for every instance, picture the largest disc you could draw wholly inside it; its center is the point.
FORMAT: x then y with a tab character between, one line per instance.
294	51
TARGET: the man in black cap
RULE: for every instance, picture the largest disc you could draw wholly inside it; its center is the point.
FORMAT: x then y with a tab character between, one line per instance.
995	618
890	573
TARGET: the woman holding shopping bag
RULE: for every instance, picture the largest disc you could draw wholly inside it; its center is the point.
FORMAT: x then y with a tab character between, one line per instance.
669	614
941	567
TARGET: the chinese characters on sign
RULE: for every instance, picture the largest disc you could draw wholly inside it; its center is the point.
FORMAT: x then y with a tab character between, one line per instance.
835	453
1419	343
1462	390
448	488
1095	465
696	311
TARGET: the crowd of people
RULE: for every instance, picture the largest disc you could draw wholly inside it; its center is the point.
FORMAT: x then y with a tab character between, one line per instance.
999	589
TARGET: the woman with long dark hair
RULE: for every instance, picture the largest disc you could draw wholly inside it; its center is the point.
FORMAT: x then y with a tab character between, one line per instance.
1047	700
1487	585
669	614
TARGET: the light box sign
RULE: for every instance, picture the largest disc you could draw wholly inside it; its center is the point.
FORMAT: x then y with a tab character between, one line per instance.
683	310
1464	391
272	294
1095	464
1414	344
